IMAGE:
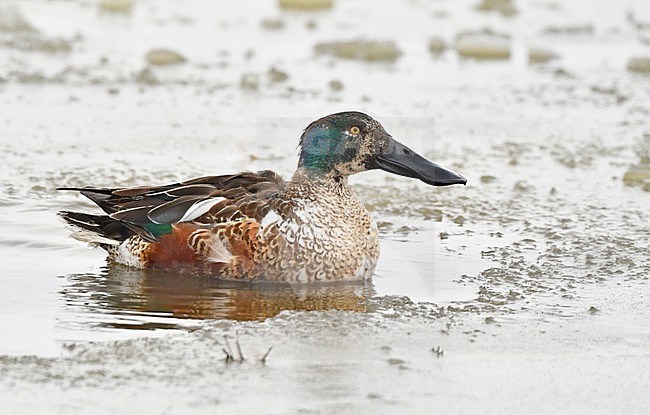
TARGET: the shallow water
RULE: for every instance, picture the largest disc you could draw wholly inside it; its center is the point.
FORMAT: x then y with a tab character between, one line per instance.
538	266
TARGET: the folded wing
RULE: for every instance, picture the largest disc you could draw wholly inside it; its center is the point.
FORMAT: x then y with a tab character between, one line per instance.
150	211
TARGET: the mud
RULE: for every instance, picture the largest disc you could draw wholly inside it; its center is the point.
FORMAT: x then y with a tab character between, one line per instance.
524	291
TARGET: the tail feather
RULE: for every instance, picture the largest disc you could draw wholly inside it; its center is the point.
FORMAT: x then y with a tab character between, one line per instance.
96	229
98	195
101	190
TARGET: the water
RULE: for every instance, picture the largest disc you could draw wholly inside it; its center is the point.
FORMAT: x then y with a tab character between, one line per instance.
42	253
539	265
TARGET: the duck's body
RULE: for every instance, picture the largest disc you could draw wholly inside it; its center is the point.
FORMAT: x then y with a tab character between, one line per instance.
257	226
324	233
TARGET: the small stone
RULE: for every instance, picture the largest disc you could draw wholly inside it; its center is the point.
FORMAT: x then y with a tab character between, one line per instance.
638	174
276	75
639	64
37	43
364	50
487	179
335	85
147	77
563	73
272	24
505	7
521	187
574	29
30	78
11	20
394	361
250	81
437	46
483	46
538	55
638	14
116	6
306	4
162	57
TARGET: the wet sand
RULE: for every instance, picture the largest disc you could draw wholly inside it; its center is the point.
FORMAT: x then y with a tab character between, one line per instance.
533	280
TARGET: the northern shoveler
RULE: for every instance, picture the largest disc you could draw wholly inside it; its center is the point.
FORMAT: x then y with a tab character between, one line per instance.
257	226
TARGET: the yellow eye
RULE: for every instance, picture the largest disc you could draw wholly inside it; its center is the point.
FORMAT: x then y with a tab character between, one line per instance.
355	130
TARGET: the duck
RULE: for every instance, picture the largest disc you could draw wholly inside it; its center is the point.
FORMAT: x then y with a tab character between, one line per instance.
257	226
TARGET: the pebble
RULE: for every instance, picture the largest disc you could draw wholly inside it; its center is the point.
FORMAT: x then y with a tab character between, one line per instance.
505	7
638	174
335	85
276	75
363	50
639	64
539	55
272	24
250	81
147	77
483	46
11	20
162	57
574	29
306	4
437	45
116	6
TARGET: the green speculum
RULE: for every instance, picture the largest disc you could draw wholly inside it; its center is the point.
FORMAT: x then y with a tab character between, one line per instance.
158	229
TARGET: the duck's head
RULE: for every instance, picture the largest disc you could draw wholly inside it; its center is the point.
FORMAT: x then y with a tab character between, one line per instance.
351	142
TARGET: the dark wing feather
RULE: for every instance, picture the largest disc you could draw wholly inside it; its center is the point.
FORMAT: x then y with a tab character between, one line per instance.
205	200
191	190
174	210
136	215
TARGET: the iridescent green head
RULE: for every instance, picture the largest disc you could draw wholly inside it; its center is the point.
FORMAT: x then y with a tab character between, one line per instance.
351	142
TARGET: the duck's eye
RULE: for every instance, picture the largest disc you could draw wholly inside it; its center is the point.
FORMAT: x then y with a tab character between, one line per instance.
355	130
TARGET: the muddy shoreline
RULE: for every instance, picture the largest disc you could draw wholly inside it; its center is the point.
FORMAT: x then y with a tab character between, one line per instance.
525	291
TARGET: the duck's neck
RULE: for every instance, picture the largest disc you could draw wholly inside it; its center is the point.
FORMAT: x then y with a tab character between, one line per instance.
331	183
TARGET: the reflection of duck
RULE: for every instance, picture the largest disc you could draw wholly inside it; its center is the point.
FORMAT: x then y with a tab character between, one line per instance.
256	226
144	294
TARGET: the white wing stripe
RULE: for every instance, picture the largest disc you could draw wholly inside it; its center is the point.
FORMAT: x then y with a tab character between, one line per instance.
200	208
